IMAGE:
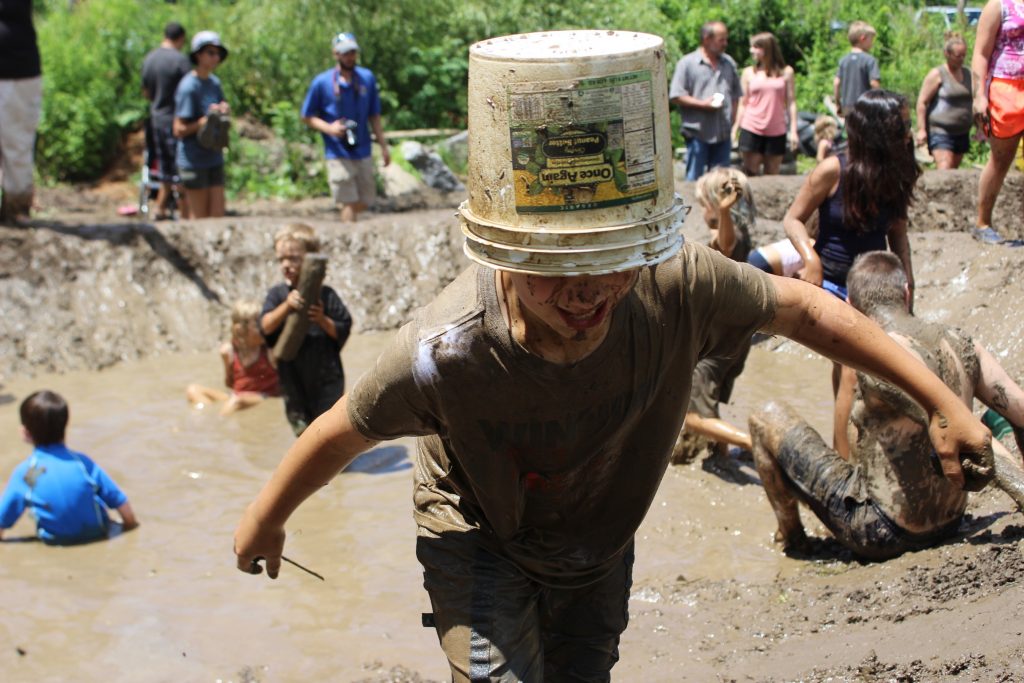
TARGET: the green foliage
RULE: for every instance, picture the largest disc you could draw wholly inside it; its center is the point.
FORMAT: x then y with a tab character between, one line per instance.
92	52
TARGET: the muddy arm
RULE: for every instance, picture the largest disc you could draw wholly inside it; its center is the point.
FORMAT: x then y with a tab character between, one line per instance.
324	449
997	390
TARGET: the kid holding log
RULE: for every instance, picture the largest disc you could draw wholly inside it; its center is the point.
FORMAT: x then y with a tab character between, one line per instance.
306	331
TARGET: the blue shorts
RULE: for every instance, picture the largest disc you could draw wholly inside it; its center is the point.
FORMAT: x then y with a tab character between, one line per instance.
202	178
757	259
835	290
957	144
834	490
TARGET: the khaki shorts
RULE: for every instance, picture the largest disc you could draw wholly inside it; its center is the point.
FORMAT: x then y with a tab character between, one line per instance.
352	180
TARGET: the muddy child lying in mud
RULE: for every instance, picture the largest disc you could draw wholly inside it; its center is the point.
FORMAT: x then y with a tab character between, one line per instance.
547	386
249	369
880	492
66	492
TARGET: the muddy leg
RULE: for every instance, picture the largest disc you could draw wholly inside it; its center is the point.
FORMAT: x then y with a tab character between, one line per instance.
767	427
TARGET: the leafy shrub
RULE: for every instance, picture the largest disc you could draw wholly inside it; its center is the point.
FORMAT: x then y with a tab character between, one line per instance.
92	52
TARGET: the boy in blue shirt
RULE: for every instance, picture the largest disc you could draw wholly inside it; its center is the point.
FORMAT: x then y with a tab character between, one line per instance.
67	493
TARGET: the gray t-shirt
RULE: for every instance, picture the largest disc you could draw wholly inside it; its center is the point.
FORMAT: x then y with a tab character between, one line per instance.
556	464
694	76
162	70
856	71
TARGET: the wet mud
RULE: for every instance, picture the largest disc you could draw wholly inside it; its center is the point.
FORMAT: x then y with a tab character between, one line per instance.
120	316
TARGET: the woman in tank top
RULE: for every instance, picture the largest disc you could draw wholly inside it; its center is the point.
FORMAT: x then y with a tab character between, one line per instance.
861	197
944	106
997	67
767	108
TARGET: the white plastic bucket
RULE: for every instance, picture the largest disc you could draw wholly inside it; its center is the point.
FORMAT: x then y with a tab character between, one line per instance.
570	168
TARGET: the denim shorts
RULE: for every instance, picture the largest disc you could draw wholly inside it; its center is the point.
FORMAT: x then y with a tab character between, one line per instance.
833	489
497	624
957	144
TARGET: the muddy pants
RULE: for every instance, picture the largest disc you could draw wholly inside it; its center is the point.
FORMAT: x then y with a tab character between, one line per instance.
20	101
834	490
497	624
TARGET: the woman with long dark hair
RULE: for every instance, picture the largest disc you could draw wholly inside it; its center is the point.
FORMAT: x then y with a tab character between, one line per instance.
861	196
767	109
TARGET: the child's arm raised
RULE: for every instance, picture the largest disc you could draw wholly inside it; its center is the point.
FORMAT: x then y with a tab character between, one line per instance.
324	449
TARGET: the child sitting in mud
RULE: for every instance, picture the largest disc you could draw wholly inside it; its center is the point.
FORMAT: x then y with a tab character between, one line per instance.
314	380
249	370
727	202
66	492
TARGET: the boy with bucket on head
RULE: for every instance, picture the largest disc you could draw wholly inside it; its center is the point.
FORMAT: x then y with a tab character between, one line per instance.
548	382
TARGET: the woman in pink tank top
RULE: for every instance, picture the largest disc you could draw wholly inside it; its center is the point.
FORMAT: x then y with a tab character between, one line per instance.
767	109
997	68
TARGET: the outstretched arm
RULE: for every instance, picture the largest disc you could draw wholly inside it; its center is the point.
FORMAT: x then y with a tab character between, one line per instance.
816	319
324	449
999	392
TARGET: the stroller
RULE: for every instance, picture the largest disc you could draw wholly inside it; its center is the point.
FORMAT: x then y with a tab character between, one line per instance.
150	178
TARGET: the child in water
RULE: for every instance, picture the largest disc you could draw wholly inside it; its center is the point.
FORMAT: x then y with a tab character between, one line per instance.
248	367
67	493
314	380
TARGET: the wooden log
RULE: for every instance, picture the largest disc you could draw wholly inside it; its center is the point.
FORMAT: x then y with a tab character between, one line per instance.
311	279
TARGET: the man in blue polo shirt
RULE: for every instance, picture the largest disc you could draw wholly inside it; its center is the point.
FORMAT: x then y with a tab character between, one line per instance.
343	103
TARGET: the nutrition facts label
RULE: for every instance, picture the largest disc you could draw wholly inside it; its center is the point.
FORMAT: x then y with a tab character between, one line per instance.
583	144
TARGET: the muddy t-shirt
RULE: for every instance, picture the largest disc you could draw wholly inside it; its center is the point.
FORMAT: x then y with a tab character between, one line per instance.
555	464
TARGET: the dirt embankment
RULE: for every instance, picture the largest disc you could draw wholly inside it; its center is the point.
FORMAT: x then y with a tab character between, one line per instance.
83	289
84	295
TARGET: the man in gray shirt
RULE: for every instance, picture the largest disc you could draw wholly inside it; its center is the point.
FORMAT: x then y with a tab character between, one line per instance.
706	88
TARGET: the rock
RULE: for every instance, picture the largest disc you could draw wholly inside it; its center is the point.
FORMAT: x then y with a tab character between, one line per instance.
456	149
435	172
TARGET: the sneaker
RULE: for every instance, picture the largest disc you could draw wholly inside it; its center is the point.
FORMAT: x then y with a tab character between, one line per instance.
987	235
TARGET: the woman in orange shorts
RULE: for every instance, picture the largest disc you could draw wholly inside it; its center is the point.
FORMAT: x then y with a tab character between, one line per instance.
998	70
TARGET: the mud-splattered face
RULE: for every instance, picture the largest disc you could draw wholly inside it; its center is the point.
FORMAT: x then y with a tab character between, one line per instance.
289	255
573	306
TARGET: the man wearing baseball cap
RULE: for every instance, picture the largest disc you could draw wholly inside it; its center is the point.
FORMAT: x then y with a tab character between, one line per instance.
343	103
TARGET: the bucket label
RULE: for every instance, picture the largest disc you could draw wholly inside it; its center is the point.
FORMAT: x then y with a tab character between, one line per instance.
583	144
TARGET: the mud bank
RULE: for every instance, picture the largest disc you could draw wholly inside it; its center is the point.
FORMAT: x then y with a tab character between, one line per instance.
83	290
77	295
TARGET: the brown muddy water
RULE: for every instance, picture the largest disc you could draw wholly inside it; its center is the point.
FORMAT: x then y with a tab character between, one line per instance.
164	602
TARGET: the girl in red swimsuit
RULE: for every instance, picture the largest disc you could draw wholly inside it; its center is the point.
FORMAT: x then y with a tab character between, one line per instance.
249	370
